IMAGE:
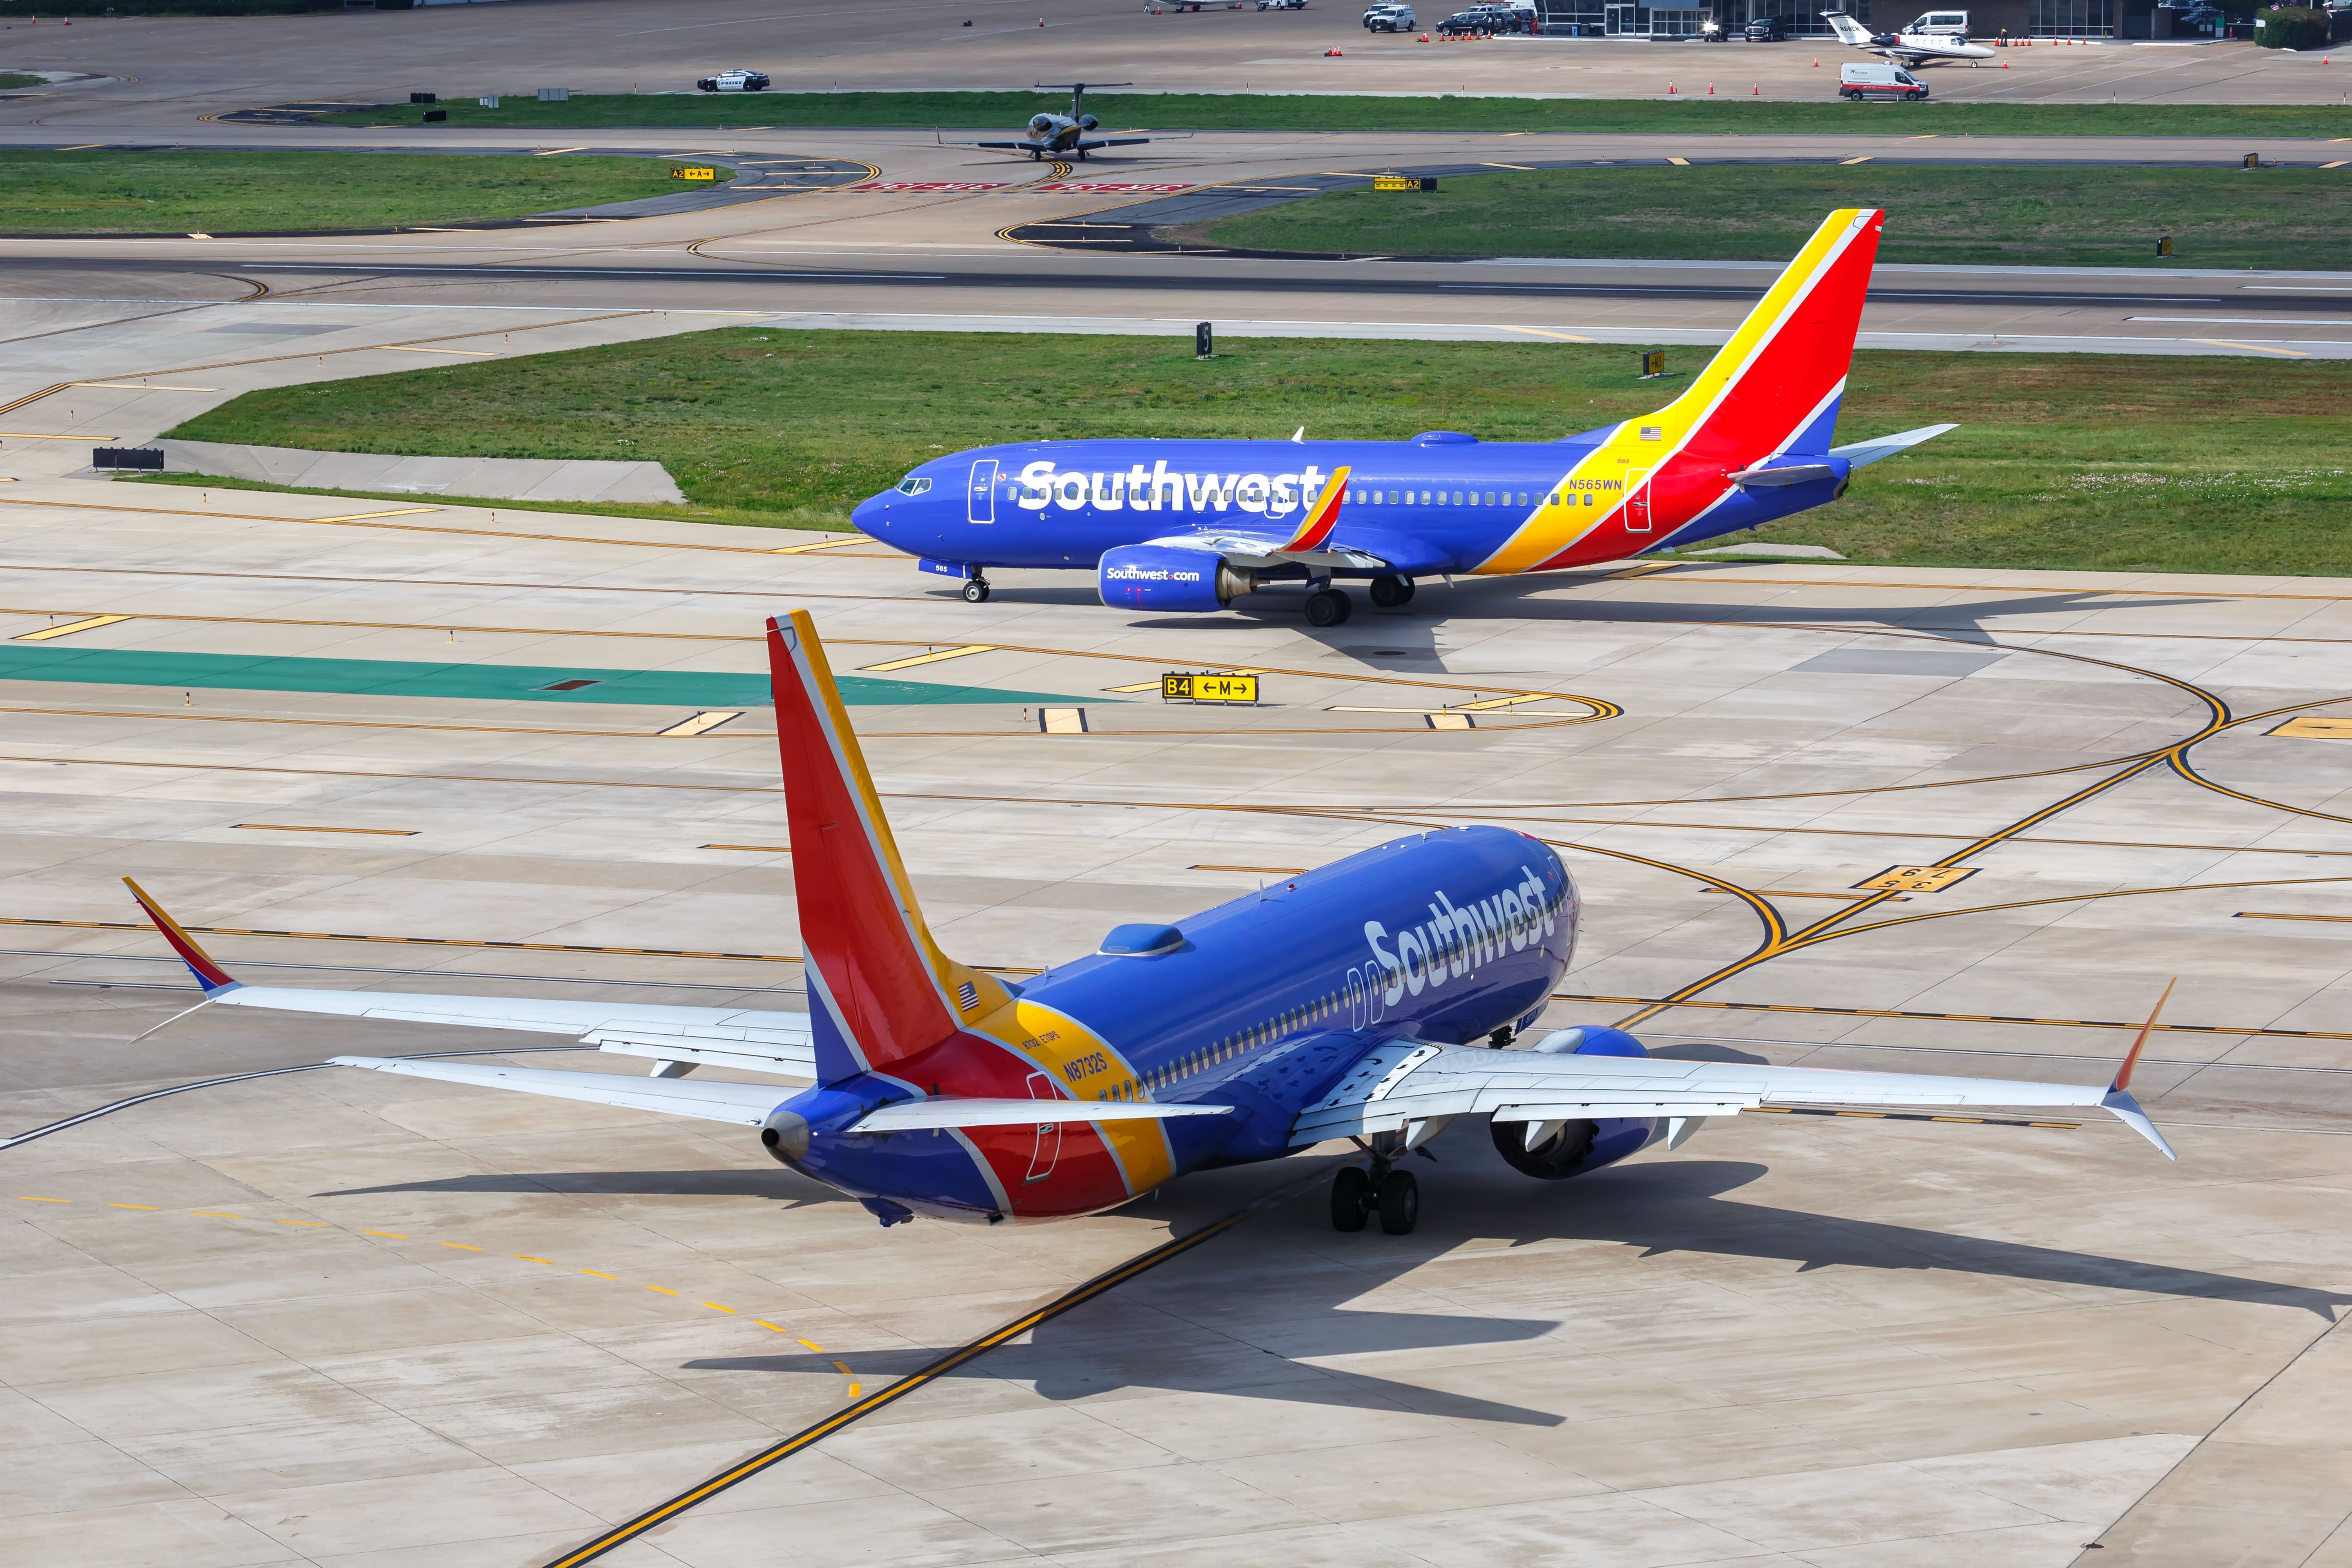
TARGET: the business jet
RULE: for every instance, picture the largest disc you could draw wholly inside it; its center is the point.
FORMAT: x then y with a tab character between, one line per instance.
1190	525
1067	135
1360	1002
1909	50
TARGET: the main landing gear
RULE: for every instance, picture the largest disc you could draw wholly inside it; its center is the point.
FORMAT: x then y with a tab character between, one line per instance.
1328	606
1390	593
975	590
1357	1195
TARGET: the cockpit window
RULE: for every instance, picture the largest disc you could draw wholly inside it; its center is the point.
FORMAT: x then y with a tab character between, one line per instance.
913	486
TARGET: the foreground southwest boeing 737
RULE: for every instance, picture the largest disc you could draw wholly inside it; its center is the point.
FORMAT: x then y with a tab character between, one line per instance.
1190	525
1344	1004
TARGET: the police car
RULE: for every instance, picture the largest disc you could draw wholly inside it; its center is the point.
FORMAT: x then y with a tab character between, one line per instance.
734	82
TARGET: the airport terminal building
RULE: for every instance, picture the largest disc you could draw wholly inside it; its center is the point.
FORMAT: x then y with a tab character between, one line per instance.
1987	18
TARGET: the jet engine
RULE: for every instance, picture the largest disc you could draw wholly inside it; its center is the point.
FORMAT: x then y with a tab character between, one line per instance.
1088	123
1163	577
1550	1150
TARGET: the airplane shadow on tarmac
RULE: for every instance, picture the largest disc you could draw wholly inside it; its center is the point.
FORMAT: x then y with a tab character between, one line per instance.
1412	628
1256	1325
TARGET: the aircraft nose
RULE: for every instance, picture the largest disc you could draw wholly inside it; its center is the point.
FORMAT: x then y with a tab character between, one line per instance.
872	515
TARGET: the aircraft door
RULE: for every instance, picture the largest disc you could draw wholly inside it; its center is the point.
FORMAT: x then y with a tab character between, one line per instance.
981	492
1637	500
1047	1151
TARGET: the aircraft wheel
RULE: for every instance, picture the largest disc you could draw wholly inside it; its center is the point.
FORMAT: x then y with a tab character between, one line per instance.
1352	1199
975	590
1327	607
1389	592
1400	1203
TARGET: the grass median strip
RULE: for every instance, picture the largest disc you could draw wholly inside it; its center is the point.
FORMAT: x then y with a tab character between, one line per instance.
2061	460
2001	215
102	191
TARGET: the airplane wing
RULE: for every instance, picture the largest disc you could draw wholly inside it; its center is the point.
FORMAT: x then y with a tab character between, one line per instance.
1001	146
1862	454
1308	545
1121	142
739	1104
676	1039
1413	1088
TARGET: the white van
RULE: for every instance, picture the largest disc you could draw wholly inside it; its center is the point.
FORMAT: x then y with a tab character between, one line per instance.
1877	79
1951	24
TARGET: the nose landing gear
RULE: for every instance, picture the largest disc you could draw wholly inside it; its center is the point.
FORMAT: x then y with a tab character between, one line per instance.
975	590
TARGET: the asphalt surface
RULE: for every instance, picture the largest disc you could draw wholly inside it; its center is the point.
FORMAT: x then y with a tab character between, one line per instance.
947	235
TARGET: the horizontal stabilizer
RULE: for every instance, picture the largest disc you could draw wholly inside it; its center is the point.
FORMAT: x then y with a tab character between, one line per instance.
1862	454
912	1114
743	1104
1792	474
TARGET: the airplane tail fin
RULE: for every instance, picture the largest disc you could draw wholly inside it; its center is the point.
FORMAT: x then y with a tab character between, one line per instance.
1774	388
879	989
1847	30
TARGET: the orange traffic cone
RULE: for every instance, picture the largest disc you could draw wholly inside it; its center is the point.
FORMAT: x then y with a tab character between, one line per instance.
1817	65
1670	90
1710	90
1754	90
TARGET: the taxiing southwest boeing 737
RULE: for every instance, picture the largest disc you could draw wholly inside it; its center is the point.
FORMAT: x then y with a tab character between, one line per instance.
1188	525
1344	1004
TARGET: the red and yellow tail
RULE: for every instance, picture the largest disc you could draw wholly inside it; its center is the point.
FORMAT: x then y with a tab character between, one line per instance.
1775	386
1773	390
879	989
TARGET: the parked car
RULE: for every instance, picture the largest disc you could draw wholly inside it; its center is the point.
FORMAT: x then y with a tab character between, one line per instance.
1390	19
1710	31
1767	30
734	82
1477	22
1877	79
1281	5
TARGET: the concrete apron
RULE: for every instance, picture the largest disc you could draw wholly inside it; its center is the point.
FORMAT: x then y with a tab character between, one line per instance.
510	478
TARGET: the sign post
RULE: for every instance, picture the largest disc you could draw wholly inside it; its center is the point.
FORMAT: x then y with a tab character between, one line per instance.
1654	365
1203	342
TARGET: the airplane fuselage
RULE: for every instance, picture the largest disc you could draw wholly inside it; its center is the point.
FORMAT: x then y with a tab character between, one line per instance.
1440	503
1259	1005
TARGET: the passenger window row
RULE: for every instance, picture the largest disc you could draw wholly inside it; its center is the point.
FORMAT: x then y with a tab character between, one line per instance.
1456	498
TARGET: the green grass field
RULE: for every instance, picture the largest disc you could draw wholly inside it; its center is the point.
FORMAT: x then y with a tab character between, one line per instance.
2062	460
103	192
1998	215
1302	112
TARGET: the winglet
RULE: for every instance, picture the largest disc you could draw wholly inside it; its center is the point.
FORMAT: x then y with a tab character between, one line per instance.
1323	516
2127	1111
2131	1061
210	975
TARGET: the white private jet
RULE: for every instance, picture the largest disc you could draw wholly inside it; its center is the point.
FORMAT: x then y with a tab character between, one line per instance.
1907	49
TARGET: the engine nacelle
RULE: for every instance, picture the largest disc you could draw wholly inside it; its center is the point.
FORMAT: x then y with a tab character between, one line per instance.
1550	1150
1088	123
1163	577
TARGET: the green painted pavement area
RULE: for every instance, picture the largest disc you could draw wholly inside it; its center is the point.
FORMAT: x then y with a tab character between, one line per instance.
478	682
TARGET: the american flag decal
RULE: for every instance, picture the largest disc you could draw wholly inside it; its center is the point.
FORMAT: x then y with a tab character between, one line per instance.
968	995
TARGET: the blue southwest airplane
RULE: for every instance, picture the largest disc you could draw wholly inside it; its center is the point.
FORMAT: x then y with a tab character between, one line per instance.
1190	525
1362	1001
